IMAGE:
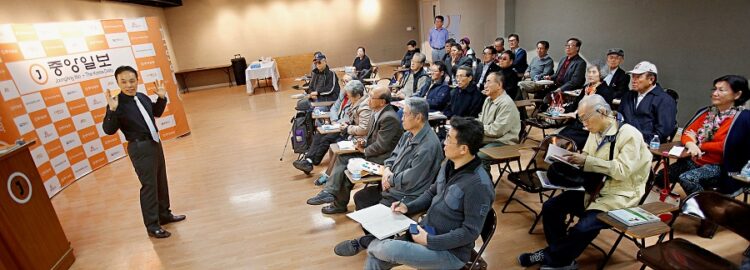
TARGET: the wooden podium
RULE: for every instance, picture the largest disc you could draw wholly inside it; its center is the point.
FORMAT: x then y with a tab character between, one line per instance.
30	233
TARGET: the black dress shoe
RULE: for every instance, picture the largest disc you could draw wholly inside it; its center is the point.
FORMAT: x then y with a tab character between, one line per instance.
160	233
174	218
321	198
330	210
303	165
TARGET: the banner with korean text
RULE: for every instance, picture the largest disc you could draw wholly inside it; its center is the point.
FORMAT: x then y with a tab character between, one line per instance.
52	82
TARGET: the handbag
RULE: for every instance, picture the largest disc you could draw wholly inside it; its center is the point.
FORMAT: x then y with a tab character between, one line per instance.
562	174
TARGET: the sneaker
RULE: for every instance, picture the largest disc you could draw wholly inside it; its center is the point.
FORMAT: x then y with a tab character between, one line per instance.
571	266
321	198
321	180
331	209
303	165
347	248
529	259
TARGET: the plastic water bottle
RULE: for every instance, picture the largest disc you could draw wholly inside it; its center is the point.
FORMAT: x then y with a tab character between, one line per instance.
655	143
746	170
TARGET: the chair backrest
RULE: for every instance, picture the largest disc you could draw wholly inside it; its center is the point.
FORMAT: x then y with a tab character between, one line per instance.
488	229
720	210
537	160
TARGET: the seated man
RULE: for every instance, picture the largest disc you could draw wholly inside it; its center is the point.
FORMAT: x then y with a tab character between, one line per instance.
500	117
485	67
415	79
382	136
626	175
616	78
324	85
457	205
519	62
353	125
510	77
437	93
499	45
571	71
411	49
412	166
466	100
647	107
541	66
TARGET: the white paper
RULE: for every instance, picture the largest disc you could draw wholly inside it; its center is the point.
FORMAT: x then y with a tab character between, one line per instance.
556	153
381	221
331	127
676	151
346	145
544	180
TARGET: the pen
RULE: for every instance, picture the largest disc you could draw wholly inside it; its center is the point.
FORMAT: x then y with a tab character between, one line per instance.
400	202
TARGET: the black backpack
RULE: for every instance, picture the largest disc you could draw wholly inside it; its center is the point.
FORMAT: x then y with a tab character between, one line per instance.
303	127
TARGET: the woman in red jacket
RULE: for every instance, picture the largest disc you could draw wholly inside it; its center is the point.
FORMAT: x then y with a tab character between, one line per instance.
704	135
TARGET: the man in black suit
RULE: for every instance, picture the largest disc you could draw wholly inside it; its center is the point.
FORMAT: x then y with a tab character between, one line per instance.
571	71
382	137
485	67
616	78
133	114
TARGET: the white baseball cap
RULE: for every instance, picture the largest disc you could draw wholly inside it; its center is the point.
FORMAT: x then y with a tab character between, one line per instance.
643	67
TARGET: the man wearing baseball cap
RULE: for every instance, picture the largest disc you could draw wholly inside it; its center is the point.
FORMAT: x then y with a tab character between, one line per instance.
324	85
616	78
647	107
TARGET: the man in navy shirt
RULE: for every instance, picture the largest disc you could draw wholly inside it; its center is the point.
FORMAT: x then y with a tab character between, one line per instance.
647	107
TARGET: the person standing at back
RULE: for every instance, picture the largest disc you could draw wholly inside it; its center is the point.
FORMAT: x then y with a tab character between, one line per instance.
438	37
133	114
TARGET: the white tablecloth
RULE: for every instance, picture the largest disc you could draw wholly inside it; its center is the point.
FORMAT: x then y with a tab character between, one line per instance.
266	70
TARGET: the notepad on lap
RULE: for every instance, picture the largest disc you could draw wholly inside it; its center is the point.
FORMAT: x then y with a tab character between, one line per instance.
633	216
380	221
556	153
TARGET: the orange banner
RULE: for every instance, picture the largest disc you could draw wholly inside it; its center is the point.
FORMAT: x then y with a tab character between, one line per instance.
52	83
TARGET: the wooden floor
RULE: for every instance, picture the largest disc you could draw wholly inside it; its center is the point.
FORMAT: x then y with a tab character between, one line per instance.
246	209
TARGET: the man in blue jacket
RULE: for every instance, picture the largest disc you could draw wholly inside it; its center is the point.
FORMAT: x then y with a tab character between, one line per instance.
647	107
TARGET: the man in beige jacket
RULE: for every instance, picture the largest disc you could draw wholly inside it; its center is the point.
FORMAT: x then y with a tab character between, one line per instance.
624	186
499	116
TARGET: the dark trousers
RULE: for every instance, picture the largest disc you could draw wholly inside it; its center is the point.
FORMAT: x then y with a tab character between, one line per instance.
564	246
148	160
320	145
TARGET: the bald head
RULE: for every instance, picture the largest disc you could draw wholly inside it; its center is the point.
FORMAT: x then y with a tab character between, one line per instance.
379	97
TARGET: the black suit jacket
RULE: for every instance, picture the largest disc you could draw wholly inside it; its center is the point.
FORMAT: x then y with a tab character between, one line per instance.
574	77
383	135
620	83
478	73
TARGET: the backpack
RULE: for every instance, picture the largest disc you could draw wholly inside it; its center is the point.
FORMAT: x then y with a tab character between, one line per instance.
303	127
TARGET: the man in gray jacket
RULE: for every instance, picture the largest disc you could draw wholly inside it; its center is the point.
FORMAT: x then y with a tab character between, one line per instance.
412	166
382	137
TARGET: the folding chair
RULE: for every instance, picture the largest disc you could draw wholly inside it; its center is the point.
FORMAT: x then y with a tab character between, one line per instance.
527	180
488	229
712	207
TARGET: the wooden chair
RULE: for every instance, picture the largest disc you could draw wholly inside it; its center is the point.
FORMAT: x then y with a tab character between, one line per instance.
527	180
488	229
536	121
712	207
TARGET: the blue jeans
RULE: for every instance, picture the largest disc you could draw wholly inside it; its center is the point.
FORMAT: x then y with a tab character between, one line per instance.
437	55
389	253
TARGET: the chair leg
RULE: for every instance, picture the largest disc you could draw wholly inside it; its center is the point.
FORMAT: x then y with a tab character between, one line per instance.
536	221
611	251
509	199
643	266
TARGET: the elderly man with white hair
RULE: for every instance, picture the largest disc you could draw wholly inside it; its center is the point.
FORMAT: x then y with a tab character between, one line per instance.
626	173
354	119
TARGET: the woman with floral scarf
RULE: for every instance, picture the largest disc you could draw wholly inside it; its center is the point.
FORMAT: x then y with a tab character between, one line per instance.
704	136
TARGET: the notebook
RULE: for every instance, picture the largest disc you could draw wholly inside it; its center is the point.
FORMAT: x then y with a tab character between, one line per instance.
633	216
544	180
